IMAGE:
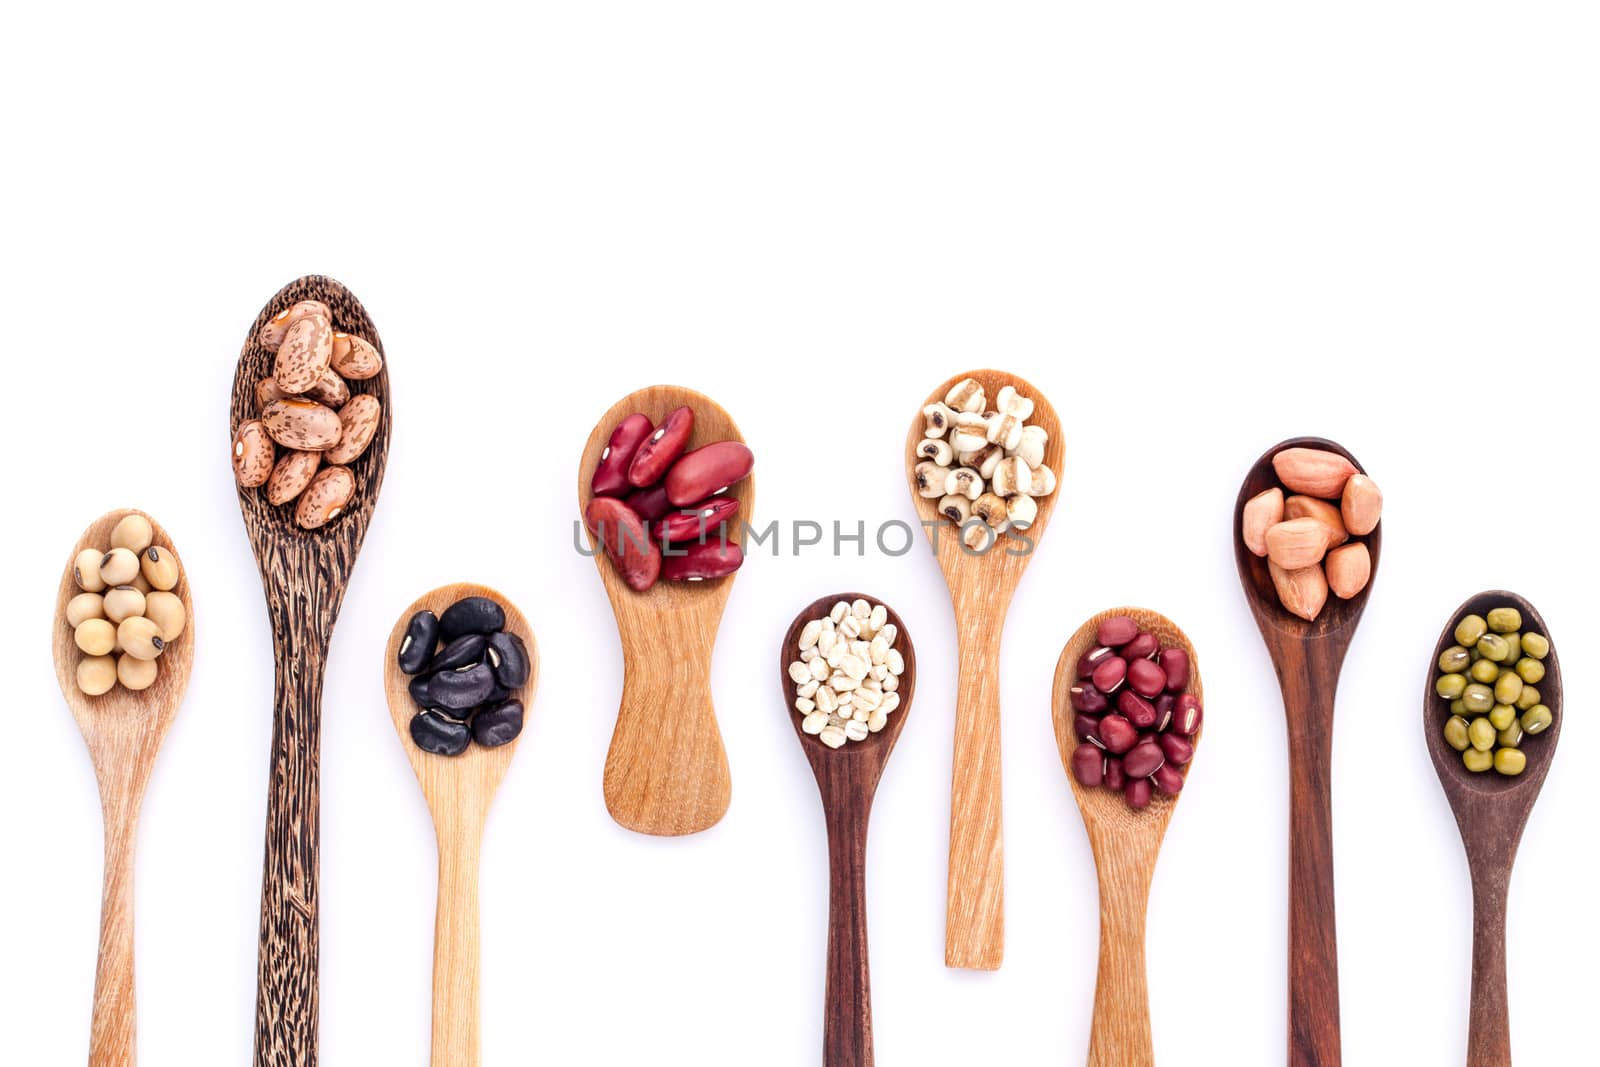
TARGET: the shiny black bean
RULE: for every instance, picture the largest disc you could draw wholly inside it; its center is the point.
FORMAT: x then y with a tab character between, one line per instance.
441	736
422	634
474	615
460	689
498	724
509	658
421	692
462	652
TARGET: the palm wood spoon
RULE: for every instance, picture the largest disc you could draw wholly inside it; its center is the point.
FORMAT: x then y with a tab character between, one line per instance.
123	729
1307	657
459	790
1491	810
981	586
666	772
1125	843
304	574
847	779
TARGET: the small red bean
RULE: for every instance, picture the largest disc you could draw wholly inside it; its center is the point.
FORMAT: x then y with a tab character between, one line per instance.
701	521
1175	662
1109	674
700	561
1088	765
1117	631
1187	715
1177	749
1087	728
661	449
1137	793
649	504
1142	646
1166	703
1116	777
625	540
1145	678
1118	734
708	471
611	475
1085	697
1092	658
1168	779
1136	709
1143	759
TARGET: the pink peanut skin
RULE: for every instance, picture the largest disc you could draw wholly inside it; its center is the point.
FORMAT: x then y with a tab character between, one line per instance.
662	448
699	562
611	476
708	471
625	540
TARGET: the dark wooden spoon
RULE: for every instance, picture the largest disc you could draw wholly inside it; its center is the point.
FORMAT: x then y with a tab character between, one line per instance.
304	574
1491	811
847	778
1307	657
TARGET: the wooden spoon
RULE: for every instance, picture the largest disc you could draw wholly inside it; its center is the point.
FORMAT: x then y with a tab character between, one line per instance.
124	730
1307	656
1125	844
666	772
1491	811
304	575
847	778
980	590
459	790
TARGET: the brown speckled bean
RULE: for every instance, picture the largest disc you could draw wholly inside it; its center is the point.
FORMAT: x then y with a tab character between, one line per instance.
358	422
268	390
277	327
304	425
253	454
325	498
355	358
330	390
304	356
291	476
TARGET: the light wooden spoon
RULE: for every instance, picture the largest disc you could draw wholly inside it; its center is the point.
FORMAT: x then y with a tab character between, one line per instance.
304	575
1492	811
1125	844
459	790
123	730
666	772
847	778
981	587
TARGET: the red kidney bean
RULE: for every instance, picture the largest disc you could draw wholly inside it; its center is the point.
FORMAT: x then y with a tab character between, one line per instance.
1166	703
1145	678
1143	646
1177	749
611	475
1090	659
1187	715
1118	734
1117	631
700	561
1087	728
1143	759
1088	765
650	503
1109	674
1085	697
661	449
625	540
1115	776
1168	779
1137	792
708	471
1175	663
700	521
1136	709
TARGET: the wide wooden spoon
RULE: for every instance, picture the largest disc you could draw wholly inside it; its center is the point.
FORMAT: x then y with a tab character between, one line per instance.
981	587
124	730
304	575
1491	811
1125	843
459	790
847	778
666	772
1307	657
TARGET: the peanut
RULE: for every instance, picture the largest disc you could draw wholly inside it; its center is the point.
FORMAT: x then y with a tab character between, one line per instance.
1302	592
1313	471
1296	543
1309	507
1349	569
1361	505
1261	512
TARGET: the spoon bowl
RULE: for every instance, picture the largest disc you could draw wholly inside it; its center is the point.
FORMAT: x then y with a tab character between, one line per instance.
1307	657
459	791
304	574
666	774
123	730
1125	843
1491	811
847	779
981	587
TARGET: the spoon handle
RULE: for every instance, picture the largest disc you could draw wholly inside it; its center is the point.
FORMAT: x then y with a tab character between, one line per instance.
1489	1033
1119	1035
112	1031
847	1025
975	918
455	952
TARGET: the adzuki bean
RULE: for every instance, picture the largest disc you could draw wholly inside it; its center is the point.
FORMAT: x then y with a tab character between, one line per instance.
1089	765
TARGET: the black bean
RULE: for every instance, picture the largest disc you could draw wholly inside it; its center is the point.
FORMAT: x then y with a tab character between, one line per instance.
474	615
498	724
422	635
509	658
421	692
441	736
497	695
461	689
462	652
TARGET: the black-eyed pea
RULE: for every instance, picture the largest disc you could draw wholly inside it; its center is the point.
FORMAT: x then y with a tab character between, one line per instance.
160	568
118	567
123	602
135	673
303	425
253	453
134	533
330	390
291	476
359	422
304	356
95	637
354	358
140	638
325	498
166	610
83	607
277	327
268	390
96	675
86	570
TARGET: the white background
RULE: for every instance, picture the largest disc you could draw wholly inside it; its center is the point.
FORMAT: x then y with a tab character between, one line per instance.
1200	228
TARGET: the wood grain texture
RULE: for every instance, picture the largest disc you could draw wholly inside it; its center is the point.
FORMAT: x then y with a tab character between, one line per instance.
1125	843
666	772
123	731
847	779
304	575
1491	811
981	588
459	791
1308	657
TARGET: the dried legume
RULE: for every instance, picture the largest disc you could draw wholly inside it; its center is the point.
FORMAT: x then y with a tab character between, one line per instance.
468	690
127	614
1488	678
846	672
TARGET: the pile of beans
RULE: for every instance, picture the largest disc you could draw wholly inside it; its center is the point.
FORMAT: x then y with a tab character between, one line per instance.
306	409
1311	544
127	614
1489	678
660	511
1134	717
984	466
466	669
847	673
